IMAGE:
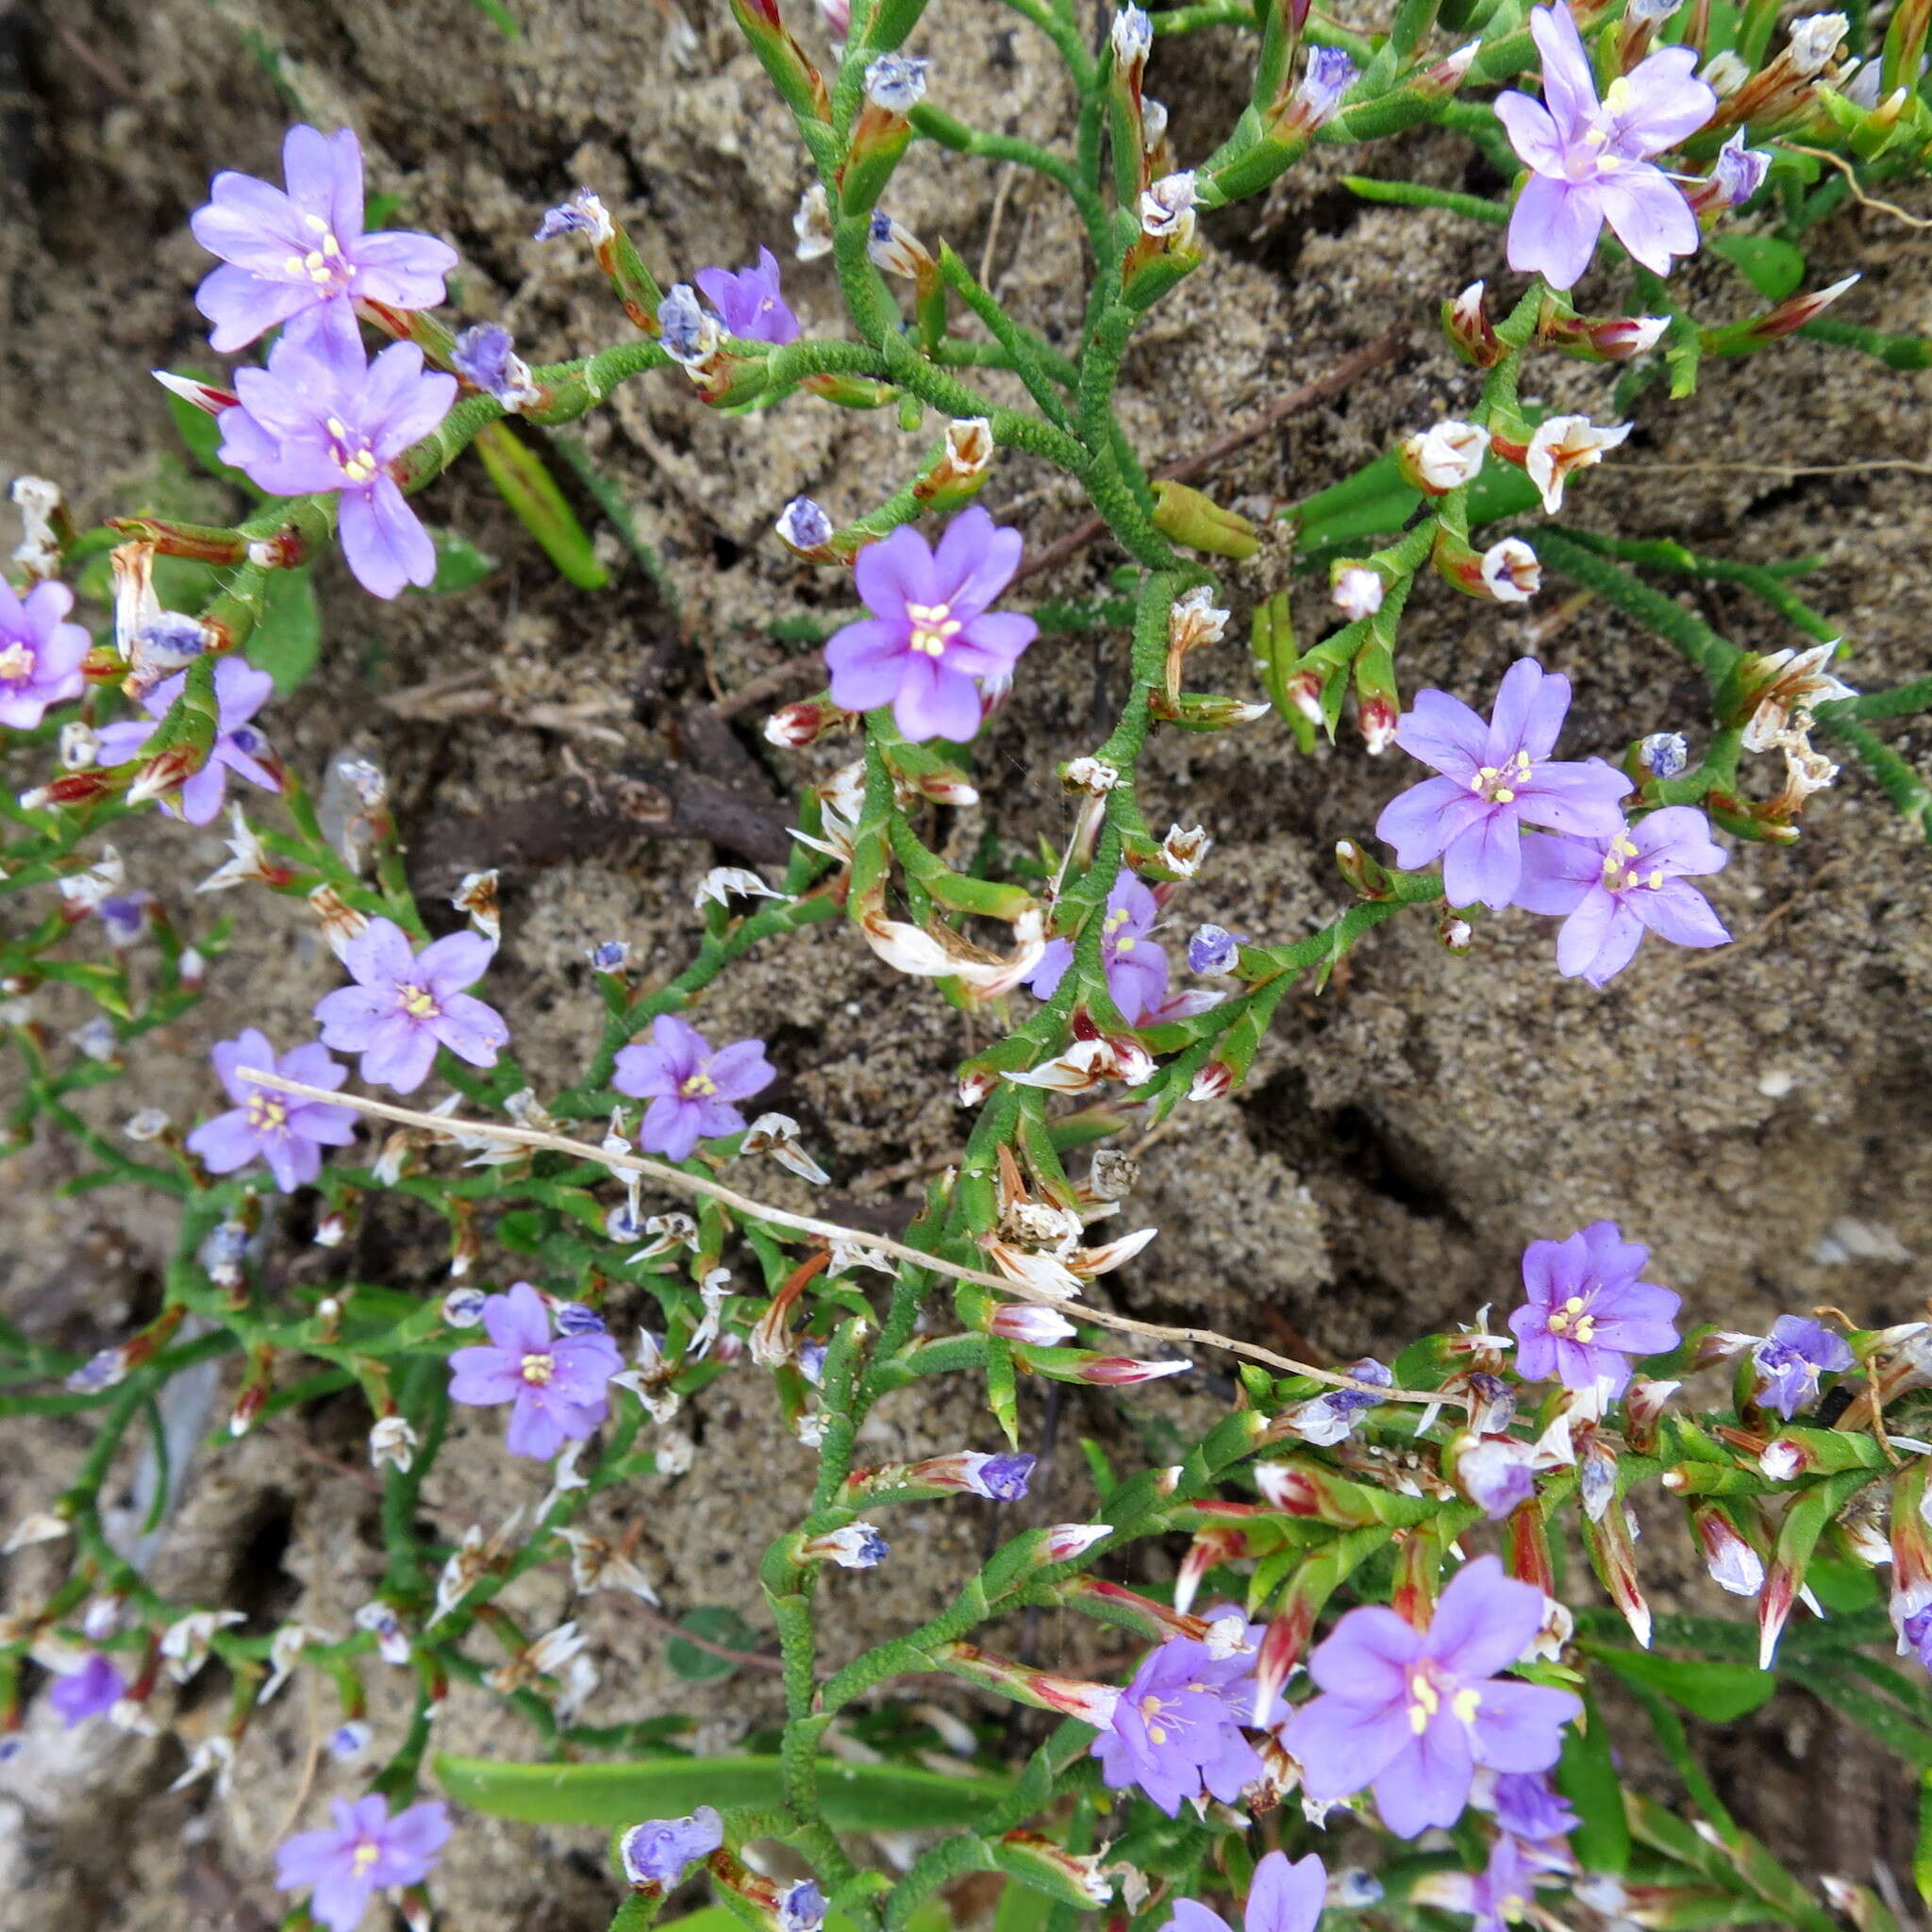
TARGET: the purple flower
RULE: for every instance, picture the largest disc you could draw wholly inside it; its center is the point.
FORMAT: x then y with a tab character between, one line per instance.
1413	1712
1917	1632
1529	1807
91	1691
931	634
486	355
1496	1473
288	254
321	417
801	1908
1588	1314
1590	160
1739	170
1612	887
1496	777
1135	967
1790	1359
1213	949
241	691
1177	1728
288	1133
657	1853
404	1005
1283	1898
40	652
366	1850
690	1089
556	1386
1503	1889
749	303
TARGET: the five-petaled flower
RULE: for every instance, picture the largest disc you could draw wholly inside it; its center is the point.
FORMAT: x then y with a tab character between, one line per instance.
1413	1712
1790	1359
322	417
1136	965
1608	891
555	1385
1177	1728
241	691
1591	159
405	1005
1496	776
930	635
40	652
1282	1897
691	1090
749	302
283	1129
285	254
1589	1316
364	1852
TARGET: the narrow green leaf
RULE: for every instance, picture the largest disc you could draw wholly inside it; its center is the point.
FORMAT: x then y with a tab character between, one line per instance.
854	1797
530	489
1720	1692
1587	1776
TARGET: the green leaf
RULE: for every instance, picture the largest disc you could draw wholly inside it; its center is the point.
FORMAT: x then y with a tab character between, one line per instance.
1720	1692
530	489
1774	267
853	1797
522	1231
459	564
718	1624
288	637
1587	1776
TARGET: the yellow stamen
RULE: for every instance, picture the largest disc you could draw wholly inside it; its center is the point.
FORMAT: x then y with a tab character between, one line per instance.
16	663
366	1856
418	1002
698	1086
537	1369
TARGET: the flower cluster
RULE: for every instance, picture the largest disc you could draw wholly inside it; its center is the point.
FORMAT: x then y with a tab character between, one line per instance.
1610	881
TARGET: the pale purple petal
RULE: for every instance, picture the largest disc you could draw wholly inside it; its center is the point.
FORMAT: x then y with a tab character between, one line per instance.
645	1072
1484	1621
1424	820
469	1029
934	702
399	1055
351	1015
1569	85
1285	1897
1519	1727
1442	731
1678	912
406	271
1581	798
1596	947
1552	229
669	1128
894	571
1557	873
1484	864
975	562
1662	103
384	543
742	1070
1341	1746
865	659
225	1142
1649	216
1428	1784
1367	1656
448	965
535	1429
1529	712
1532	132
379	955
517	1321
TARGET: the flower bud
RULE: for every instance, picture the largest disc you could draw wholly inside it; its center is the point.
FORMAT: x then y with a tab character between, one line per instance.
1466	323
1189	517
1357	591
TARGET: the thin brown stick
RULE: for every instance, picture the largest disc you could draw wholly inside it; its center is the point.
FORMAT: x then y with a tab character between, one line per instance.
1859	194
448	1128
756	1658
1372	354
1326	388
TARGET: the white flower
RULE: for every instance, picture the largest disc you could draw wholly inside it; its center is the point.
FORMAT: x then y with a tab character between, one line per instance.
722	881
186	1644
1511	571
776	1134
1183	850
1448	456
392	1441
1167	209
812	223
1563	443
42	1526
214	1756
1815	40
1358	592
